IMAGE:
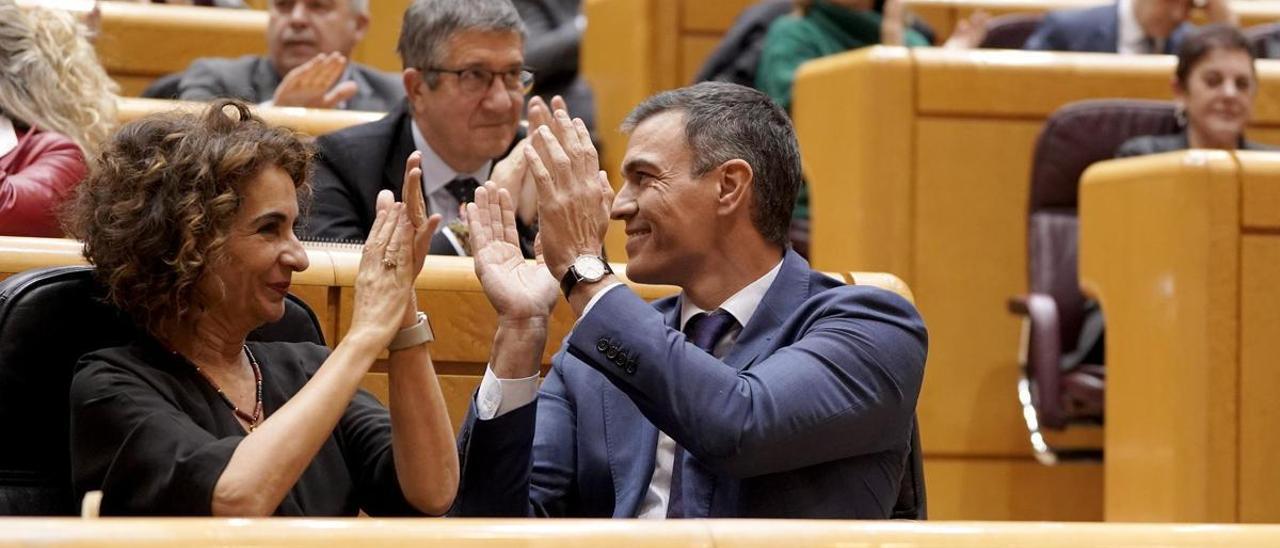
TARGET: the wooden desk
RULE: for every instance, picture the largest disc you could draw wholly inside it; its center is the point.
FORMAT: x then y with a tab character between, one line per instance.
1183	252
571	533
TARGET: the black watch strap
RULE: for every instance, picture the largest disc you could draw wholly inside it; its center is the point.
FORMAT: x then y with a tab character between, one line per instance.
571	278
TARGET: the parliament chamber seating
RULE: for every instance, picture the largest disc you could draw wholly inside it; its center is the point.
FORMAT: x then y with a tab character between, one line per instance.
942	181
1183	251
1011	30
1053	394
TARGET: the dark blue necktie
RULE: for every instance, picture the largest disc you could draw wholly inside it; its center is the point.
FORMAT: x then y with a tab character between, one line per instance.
703	330
463	189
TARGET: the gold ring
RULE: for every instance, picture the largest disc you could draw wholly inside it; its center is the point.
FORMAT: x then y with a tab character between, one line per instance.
389	264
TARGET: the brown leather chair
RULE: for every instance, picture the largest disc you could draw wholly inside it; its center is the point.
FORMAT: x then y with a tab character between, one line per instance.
1054	392
1265	40
1010	31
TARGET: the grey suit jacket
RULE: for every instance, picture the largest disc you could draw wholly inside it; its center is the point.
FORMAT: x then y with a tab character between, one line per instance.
809	415
1156	144
1095	29
252	78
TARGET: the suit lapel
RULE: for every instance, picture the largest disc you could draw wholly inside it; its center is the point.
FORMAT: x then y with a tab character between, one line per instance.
401	148
264	79
789	289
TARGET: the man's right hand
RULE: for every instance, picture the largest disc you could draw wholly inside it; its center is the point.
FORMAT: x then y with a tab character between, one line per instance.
519	291
311	84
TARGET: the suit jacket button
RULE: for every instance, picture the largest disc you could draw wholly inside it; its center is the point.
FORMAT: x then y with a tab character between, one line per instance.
630	369
602	344
612	352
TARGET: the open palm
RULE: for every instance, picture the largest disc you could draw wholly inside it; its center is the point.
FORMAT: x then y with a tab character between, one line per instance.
517	289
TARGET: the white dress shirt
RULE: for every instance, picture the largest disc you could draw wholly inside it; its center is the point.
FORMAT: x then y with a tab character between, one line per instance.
436	174
1130	37
8	136
499	396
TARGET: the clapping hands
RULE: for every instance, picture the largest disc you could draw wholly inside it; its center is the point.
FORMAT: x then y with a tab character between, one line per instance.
311	84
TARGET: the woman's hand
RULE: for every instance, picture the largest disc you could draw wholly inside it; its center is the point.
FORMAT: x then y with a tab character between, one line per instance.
384	283
517	289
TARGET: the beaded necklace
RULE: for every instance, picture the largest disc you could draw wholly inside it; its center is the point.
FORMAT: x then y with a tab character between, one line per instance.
257	406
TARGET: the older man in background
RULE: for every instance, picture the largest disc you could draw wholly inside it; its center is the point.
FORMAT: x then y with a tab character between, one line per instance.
309	44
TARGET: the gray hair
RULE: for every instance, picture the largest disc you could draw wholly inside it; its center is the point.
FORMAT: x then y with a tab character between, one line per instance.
429	24
723	122
359	6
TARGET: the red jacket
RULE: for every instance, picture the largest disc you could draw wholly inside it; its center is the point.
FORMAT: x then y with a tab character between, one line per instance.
35	178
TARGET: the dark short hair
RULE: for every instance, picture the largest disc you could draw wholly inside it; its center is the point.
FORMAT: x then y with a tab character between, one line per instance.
429	24
1206	39
156	209
724	121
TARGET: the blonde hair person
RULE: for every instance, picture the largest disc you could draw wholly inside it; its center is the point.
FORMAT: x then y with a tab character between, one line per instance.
52	78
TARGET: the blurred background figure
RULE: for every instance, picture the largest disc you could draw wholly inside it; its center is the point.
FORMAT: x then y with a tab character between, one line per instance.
57	106
554	30
1214	86
1127	26
309	44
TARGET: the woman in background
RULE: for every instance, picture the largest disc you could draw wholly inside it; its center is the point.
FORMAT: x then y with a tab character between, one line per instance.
57	106
1214	86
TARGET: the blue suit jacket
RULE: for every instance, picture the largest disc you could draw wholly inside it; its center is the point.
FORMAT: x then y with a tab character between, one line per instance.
1094	29
809	415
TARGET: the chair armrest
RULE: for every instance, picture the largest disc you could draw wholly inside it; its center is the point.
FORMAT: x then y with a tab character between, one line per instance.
1044	358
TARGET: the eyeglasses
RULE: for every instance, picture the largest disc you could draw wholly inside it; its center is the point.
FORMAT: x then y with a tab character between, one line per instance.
476	80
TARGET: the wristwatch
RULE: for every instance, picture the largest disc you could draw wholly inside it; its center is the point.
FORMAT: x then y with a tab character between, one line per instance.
585	268
413	335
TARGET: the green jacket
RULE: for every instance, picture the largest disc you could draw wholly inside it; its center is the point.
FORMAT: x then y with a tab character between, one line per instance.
825	30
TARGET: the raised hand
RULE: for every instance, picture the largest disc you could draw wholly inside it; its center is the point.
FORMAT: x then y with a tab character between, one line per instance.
517	289
969	33
385	278
893	24
574	196
416	206
512	172
311	84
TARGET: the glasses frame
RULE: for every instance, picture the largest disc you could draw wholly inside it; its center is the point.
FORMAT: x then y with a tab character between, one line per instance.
525	77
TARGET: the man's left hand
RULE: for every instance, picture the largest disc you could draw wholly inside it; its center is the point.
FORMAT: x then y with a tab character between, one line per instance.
574	196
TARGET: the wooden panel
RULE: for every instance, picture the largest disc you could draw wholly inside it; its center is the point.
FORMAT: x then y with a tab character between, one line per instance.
127	44
971	196
850	167
716	16
306	120
378	49
1259	377
1159	247
1012	489
694	50
1261	199
582	533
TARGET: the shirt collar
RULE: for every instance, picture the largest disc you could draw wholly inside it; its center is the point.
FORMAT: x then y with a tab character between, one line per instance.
435	172
741	305
1130	36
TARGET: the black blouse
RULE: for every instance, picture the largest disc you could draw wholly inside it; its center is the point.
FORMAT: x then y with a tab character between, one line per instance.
154	436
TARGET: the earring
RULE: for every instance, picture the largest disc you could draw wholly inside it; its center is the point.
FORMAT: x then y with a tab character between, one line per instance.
1180	114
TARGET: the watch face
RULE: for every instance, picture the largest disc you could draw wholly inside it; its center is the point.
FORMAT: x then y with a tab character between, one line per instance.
589	268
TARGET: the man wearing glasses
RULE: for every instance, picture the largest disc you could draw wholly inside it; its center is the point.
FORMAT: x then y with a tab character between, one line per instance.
465	80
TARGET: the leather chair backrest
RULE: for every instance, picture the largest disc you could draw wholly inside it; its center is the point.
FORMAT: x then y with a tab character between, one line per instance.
735	58
1010	31
50	317
1073	138
1265	40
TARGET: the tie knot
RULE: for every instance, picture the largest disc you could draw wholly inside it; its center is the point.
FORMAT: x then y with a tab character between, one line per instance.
463	189
705	329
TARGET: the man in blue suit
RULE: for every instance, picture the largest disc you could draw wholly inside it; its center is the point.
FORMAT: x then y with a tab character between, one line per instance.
1128	26
764	389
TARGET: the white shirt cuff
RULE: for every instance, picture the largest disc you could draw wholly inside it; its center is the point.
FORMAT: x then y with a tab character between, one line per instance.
498	397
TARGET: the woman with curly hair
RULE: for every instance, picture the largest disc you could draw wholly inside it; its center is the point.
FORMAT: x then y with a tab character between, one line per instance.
56	107
189	222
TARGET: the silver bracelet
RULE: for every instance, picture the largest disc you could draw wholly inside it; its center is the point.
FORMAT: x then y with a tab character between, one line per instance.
413	335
